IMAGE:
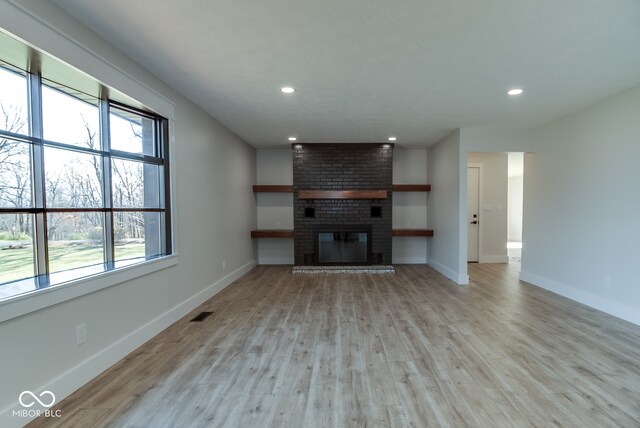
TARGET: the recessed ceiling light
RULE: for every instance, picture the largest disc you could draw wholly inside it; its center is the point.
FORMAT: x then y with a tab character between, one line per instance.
287	89
392	138
516	91
292	138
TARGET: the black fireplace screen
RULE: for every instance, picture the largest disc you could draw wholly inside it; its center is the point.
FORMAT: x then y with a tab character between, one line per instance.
342	247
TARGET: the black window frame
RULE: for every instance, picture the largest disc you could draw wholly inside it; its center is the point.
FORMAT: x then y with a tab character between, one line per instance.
39	209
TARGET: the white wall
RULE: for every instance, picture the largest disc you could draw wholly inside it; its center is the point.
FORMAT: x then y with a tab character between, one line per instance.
489	139
581	229
275	210
410	208
493	206
444	209
514	212
213	171
515	196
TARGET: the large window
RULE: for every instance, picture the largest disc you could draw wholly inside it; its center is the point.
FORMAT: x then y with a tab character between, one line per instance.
83	183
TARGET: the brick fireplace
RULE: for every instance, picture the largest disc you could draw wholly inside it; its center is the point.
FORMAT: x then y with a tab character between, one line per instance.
342	200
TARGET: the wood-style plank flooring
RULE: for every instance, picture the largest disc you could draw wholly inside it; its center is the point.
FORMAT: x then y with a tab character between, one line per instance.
410	349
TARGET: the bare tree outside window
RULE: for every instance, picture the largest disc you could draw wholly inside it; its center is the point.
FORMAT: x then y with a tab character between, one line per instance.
16	228
77	216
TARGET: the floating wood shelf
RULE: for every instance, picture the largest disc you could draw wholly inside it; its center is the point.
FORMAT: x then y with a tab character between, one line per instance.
288	233
288	188
342	194
412	232
412	187
272	233
273	188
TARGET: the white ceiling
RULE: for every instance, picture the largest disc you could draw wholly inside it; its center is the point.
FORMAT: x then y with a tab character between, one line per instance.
367	69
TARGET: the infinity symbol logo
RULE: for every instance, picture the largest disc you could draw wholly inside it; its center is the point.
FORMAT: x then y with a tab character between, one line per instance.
30	403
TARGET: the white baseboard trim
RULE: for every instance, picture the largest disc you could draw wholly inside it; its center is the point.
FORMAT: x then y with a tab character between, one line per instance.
494	259
456	277
275	261
619	310
68	382
409	261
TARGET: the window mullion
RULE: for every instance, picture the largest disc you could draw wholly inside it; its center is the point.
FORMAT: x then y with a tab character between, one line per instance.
163	135
107	196
34	91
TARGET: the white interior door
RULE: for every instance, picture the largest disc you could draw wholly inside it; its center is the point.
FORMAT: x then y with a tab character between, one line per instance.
473	207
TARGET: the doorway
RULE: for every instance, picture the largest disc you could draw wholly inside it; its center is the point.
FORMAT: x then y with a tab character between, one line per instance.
473	212
494	219
486	216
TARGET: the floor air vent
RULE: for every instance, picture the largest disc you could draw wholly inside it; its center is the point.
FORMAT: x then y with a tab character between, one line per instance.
201	316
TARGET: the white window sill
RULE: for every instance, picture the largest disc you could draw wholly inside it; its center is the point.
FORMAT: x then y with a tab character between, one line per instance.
36	300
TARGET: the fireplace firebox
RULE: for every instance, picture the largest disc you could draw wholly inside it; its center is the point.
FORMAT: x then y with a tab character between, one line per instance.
343	244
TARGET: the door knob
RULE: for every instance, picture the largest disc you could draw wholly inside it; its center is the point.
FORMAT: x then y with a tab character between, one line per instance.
474	222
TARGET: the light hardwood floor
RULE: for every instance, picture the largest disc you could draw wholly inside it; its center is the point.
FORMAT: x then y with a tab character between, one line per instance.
410	349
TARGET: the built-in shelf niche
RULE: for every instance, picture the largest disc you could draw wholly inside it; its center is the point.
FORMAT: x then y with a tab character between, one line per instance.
410	233
272	233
